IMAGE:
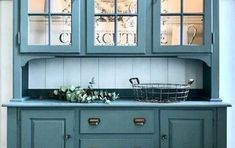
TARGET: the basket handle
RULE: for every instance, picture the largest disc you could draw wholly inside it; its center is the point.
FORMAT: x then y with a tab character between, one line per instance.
134	81
190	81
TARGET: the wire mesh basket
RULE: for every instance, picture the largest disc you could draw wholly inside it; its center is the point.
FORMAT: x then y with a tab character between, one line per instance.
160	92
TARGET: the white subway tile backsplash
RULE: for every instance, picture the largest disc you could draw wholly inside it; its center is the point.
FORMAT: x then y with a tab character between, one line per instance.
112	72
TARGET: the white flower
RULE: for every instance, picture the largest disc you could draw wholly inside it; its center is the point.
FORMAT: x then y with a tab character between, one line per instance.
55	92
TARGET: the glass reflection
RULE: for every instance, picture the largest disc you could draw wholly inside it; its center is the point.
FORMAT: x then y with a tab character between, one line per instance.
170	30
104	31
193	6
60	6
127	6
38	30
127	31
61	30
170	6
38	6
193	30
104	6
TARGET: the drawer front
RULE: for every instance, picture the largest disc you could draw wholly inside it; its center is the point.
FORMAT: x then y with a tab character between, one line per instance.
117	143
119	121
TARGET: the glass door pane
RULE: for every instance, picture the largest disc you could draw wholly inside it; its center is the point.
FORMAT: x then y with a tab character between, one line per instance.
127	6
50	22
127	31
38	30
115	23
37	6
170	30
60	30
60	6
170	6
182	26
193	32
104	6
193	6
104	31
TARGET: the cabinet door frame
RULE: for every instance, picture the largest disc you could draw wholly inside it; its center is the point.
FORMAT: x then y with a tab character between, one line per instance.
27	115
141	32
75	32
207	27
205	116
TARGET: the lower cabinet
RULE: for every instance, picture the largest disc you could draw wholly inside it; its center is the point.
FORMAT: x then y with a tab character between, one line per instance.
186	129
47	129
118	128
117	143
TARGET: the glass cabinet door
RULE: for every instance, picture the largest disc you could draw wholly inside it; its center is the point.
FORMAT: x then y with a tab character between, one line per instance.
182	26
116	26
49	26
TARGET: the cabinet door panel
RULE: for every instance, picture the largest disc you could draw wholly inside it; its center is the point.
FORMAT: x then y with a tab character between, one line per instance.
47	129
116	26
184	129
182	26
47	133
117	143
49	26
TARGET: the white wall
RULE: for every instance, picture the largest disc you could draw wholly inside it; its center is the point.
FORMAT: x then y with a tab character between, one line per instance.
227	62
5	64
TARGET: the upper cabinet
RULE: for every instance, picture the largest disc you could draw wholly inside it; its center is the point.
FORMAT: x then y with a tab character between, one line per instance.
49	26
182	26
116	26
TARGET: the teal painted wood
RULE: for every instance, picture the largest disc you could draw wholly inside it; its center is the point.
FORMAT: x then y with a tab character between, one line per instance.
186	128
205	48
13	139
141	31
47	128
17	72
215	56
24	32
221	128
116	121
117	143
29	102
33	127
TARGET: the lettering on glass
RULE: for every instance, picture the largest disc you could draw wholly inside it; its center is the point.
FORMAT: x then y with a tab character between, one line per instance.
112	27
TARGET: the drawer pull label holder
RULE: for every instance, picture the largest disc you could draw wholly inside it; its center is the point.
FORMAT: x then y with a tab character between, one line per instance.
139	121
94	121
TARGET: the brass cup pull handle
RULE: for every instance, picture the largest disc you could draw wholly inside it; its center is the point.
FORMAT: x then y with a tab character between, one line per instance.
139	121
94	121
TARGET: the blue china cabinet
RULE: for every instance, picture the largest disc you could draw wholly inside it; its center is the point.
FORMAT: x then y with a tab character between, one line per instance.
181	29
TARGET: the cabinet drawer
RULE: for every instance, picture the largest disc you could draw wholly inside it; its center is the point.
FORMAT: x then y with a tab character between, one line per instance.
117	143
111	121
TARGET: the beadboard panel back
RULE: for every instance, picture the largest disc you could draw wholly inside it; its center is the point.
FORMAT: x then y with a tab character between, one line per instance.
112	72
